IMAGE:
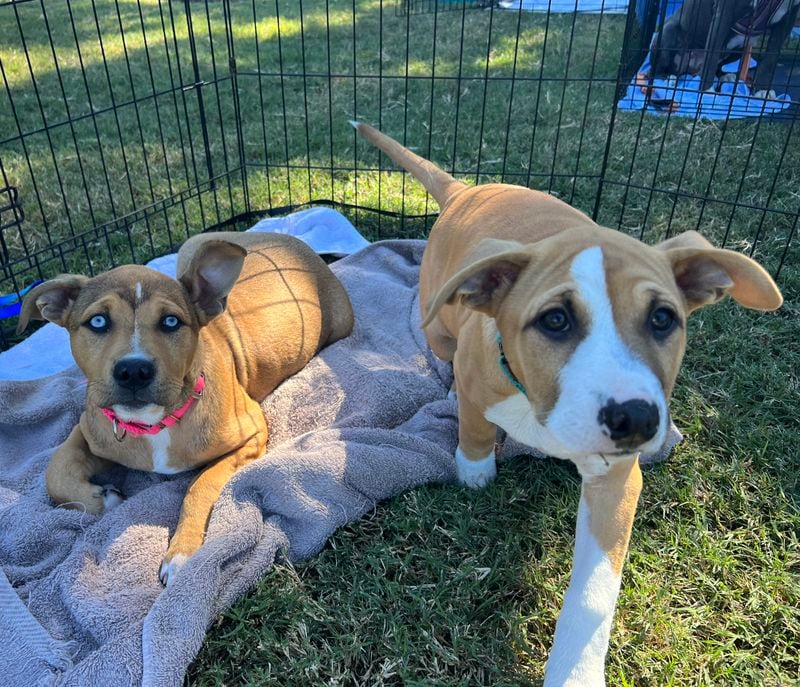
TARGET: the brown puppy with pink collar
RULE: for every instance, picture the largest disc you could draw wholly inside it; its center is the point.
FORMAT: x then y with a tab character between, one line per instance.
176	368
568	336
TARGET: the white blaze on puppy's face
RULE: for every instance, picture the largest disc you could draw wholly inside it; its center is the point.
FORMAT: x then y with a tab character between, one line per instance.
597	382
602	369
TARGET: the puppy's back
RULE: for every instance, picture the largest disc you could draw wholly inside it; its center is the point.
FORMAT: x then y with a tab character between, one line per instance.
285	306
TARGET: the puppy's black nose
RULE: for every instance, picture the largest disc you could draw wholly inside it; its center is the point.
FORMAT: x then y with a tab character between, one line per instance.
134	373
631	423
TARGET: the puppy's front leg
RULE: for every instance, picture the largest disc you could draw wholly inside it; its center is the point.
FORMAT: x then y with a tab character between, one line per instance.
200	498
605	516
475	459
69	471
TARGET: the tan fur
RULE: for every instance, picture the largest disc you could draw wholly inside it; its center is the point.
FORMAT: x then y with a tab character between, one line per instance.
612	500
533	238
511	224
285	305
498	258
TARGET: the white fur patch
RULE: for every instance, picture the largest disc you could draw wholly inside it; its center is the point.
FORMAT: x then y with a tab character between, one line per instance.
148	414
136	341
577	658
601	368
475	474
170	569
111	497
515	415
159	443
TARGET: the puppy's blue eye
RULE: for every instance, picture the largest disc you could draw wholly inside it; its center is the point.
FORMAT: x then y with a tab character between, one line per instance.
554	322
98	323
169	323
662	322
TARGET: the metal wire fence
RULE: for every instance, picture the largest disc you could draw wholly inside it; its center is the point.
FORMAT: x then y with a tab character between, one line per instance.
128	125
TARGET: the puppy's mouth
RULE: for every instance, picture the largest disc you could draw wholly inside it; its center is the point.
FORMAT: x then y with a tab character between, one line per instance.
134	399
141	399
165	395
134	403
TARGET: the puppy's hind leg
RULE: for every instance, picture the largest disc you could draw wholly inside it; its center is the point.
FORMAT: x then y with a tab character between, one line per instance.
68	474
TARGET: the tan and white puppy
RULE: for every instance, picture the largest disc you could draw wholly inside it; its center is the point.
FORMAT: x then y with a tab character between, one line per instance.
569	337
176	368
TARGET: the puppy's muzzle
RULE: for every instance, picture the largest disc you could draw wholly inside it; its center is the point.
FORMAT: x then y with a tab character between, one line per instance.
631	423
134	373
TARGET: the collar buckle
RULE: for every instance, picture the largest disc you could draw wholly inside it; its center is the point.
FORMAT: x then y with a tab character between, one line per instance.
200	387
119	435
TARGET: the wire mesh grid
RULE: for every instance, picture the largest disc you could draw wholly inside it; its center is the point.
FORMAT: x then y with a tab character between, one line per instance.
128	125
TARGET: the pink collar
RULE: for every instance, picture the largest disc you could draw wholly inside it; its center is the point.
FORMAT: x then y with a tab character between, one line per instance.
139	428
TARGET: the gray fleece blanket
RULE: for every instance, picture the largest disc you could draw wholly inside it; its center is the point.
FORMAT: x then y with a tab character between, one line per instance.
80	599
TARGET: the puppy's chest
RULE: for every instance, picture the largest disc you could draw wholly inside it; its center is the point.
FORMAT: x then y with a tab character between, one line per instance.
162	461
166	453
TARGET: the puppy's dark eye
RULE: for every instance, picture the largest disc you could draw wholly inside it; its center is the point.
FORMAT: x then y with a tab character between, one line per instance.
170	323
98	323
662	322
555	322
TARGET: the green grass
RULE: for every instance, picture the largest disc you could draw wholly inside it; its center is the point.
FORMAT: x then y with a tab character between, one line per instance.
547	128
445	586
451	587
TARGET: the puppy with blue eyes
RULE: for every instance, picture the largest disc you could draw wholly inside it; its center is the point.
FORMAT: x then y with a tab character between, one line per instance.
569	337
176	368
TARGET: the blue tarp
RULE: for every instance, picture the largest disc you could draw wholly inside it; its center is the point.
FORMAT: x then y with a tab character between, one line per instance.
732	100
10	304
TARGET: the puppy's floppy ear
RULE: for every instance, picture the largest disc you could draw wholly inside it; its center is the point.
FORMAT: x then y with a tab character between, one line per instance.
484	279
688	239
706	274
214	268
51	301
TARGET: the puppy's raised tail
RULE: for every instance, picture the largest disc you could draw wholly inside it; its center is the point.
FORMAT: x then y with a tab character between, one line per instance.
436	181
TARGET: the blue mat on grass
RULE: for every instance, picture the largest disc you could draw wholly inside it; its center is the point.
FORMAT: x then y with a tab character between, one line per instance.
681	96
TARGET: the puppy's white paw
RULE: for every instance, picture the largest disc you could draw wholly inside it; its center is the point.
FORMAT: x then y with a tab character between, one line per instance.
170	568
475	474
112	497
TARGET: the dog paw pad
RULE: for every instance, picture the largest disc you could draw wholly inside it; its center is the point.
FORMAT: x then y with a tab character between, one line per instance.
112	496
170	568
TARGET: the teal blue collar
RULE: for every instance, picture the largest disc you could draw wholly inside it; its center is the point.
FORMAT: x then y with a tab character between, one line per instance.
503	362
